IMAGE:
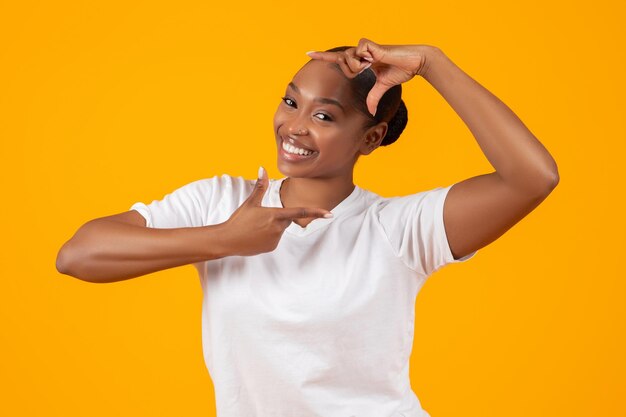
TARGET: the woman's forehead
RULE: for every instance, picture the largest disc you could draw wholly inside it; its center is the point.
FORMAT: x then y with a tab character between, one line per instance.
322	78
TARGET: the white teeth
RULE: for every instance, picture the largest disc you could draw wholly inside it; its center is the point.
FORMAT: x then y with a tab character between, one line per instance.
292	149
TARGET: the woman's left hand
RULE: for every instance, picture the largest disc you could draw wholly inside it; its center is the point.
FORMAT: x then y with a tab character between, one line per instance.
392	64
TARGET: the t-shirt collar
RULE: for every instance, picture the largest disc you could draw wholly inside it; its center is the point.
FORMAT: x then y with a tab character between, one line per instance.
294	228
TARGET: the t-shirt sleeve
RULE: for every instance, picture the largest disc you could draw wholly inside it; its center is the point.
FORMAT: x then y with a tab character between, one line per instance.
187	206
414	226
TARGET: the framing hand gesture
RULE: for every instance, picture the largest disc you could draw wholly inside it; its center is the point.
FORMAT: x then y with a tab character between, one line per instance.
254	229
392	65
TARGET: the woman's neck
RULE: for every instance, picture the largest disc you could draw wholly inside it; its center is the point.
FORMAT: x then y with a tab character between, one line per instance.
324	193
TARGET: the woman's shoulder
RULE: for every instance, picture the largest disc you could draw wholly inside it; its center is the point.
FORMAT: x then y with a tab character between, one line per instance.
426	197
411	195
216	186
222	181
228	186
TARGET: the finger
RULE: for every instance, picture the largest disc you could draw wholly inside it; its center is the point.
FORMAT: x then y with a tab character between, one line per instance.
365	67
374	96
301	212
325	56
351	68
260	187
369	50
341	61
354	62
362	51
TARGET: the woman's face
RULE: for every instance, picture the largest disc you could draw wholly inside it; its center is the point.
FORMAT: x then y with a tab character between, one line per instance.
316	114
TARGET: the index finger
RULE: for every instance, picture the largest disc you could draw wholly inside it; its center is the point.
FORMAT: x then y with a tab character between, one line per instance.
301	212
350	64
323	55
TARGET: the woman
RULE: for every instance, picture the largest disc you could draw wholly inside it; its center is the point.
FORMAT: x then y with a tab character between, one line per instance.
309	281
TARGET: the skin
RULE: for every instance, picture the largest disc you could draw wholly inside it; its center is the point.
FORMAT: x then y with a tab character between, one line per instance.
337	134
477	210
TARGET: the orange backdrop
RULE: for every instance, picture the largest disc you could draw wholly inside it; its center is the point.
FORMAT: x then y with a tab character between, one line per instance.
106	103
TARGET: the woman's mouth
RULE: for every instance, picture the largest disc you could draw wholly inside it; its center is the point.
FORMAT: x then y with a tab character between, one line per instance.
294	153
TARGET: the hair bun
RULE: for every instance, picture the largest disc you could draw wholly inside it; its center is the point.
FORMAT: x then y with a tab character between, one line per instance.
396	125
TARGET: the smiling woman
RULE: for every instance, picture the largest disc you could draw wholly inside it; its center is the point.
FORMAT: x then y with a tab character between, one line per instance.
309	281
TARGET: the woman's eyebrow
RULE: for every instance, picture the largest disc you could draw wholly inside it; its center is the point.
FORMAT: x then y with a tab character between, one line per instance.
318	99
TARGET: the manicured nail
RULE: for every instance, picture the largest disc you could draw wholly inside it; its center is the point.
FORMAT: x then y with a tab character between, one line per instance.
328	215
365	67
309	53
261	170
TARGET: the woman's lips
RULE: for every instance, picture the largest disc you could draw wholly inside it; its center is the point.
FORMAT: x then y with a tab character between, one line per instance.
296	143
291	156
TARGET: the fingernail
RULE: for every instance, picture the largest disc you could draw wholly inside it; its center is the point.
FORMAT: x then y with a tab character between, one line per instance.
261	170
365	67
328	215
309	53
367	58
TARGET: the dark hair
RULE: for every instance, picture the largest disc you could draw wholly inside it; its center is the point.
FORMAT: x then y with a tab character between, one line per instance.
391	107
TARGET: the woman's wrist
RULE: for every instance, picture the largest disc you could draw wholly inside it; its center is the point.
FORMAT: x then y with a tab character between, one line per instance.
430	53
214	240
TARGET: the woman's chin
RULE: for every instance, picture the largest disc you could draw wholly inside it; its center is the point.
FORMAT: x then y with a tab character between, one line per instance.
285	169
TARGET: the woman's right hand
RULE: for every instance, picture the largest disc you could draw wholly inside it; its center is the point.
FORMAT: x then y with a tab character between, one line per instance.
392	64
253	229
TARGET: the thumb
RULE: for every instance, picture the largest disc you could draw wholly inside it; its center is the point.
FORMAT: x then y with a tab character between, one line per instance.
256	196
374	97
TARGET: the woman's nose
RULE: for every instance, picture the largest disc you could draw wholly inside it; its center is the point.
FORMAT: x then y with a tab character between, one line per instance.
294	130
298	126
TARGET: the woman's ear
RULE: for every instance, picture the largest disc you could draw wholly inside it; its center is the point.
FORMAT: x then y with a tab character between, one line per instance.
373	137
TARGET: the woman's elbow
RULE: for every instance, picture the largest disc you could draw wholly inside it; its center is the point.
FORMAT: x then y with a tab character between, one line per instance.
65	259
68	260
61	263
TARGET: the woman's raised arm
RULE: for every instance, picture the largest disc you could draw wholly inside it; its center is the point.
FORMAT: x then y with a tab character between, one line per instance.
479	209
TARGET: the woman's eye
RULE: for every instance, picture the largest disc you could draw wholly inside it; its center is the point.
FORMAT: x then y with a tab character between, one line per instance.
327	119
291	103
287	100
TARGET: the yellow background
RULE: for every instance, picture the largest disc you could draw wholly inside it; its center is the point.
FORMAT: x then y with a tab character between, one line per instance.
103	104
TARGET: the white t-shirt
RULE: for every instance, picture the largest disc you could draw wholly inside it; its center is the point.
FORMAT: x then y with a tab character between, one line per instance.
323	325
